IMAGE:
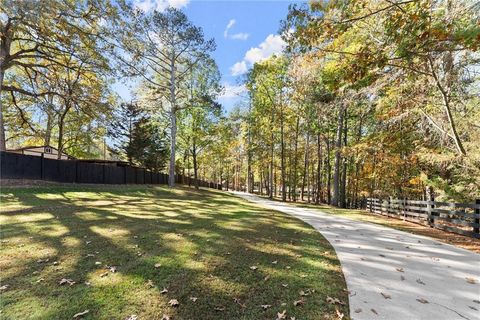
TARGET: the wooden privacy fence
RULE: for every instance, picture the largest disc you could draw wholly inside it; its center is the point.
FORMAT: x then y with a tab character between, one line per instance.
461	218
26	167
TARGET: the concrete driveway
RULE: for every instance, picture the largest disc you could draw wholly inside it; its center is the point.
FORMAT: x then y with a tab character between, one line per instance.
393	274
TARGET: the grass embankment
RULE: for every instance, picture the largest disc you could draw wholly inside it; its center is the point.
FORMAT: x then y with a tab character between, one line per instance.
218	256
468	243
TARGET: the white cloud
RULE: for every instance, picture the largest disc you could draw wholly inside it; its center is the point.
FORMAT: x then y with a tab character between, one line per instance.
240	36
230	24
239	68
273	44
236	36
232	91
159	5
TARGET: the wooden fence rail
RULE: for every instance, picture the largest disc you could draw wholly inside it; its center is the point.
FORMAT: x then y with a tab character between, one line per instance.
461	218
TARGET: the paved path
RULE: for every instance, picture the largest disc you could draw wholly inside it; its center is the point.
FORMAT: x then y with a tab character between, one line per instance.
419	277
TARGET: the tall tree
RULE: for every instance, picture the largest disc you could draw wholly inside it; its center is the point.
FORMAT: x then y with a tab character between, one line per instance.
163	50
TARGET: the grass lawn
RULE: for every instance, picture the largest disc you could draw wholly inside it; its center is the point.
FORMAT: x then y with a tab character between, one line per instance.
218	256
458	240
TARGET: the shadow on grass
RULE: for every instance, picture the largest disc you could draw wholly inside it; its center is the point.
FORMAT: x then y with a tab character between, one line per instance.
205	241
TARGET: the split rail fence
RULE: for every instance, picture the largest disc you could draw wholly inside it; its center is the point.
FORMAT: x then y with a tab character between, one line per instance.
460	218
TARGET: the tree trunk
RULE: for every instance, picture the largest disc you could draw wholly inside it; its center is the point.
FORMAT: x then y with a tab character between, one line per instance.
329	171
249	153
343	182
305	166
319	197
195	165
61	125
338	158
6	36
173	136
173	122
446	104
295	161
282	161
272	187
3	146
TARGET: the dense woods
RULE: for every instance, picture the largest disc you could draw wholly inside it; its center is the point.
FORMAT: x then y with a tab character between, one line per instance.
370	98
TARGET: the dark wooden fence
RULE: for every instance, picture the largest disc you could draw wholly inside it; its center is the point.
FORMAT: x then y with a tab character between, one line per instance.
461	218
19	166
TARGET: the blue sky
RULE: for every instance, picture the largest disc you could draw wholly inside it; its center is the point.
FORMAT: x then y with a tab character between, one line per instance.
245	32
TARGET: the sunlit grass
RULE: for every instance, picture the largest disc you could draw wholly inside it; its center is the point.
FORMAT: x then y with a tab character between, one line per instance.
193	243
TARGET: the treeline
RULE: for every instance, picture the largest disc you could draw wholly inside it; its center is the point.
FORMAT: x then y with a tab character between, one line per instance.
60	60
370	99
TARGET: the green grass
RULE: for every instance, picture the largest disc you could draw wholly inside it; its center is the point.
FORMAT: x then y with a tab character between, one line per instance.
205	241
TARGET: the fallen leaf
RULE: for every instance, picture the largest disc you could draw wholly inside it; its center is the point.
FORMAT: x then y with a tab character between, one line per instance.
421	300
298	302
173	303
420	281
67	281
5	287
374	311
386	296
88	283
287	267
399	269
284	285
254	267
274	262
97	263
358	310
112	269
266	306
132	317
339	314
164	291
471	280
334	300
104	274
281	315
165	317
266	278
80	314
40	280
382	255
221	308
150	284
158	265
193	299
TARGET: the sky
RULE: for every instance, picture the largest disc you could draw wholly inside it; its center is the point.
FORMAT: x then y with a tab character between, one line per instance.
245	32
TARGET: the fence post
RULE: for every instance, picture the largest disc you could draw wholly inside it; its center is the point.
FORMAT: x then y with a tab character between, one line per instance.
477	219
430	198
